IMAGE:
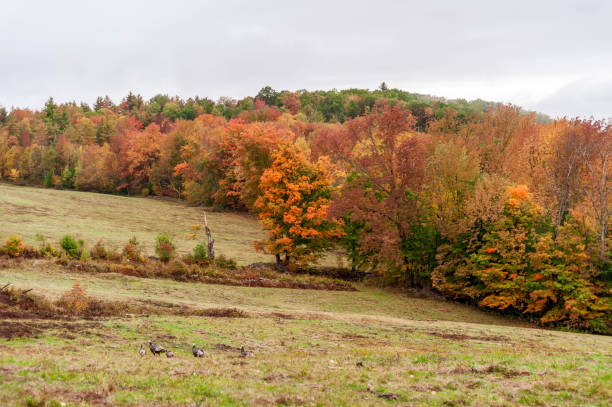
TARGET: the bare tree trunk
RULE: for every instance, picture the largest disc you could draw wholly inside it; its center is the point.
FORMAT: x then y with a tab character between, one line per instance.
211	240
602	211
597	155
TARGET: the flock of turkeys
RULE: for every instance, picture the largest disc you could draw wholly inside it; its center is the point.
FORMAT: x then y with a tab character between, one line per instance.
197	352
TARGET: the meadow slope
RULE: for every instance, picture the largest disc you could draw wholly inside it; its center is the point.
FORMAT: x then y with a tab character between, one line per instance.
113	219
367	347
327	348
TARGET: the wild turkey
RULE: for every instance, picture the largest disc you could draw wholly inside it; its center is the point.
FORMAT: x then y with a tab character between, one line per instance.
197	352
245	353
156	349
169	354
142	350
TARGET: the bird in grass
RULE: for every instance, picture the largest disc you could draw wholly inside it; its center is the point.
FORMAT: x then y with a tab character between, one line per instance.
142	350
245	353
156	349
197	352
169	354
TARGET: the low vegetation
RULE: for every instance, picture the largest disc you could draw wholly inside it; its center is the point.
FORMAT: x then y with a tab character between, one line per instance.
75	303
131	262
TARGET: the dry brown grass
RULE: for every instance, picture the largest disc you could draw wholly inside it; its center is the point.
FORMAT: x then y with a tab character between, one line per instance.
114	219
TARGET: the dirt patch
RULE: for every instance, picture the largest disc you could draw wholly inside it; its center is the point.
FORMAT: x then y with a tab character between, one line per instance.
289	401
157	307
280	315
32	329
221	313
226	348
41	396
384	395
10	330
274	377
160	304
489	369
462	337
354	336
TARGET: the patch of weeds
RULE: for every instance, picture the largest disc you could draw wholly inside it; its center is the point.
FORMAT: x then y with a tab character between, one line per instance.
427	358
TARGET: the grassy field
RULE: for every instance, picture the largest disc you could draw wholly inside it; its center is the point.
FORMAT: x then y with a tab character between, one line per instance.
369	347
313	348
114	219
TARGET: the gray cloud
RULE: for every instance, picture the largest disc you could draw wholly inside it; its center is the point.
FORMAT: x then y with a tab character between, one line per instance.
525	52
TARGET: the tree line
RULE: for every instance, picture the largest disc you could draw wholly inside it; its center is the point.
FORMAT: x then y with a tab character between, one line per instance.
485	203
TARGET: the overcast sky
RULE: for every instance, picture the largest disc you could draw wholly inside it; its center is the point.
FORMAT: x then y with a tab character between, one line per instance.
552	56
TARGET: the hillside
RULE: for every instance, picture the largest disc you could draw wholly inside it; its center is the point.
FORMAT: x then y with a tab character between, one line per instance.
311	347
114	219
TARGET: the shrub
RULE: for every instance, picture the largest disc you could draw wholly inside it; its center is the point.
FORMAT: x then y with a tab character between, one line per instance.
45	247
98	251
178	270
14	246
225	262
200	252
132	250
85	257
164	247
71	246
75	301
516	266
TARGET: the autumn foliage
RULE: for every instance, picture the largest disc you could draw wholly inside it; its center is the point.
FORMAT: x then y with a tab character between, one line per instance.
483	203
511	267
293	208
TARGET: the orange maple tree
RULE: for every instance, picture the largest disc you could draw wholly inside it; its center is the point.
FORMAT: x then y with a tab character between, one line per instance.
293	208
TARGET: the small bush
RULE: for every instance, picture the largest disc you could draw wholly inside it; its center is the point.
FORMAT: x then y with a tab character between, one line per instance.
75	301
133	251
14	246
200	253
98	251
225	262
49	250
178	270
164	247
70	246
85	257
45	247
